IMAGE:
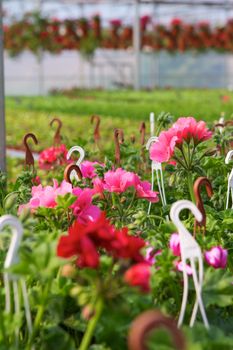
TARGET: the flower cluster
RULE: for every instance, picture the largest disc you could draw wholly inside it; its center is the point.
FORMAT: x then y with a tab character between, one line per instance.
119	180
216	256
84	242
183	130
47	197
34	33
53	157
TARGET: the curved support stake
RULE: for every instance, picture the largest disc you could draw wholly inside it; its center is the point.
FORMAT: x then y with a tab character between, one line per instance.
142	132
228	158
201	181
57	137
156	167
11	259
151	320
191	251
29	159
118	140
81	152
69	170
152	124
96	118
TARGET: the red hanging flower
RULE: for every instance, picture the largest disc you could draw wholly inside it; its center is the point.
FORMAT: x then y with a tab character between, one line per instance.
139	276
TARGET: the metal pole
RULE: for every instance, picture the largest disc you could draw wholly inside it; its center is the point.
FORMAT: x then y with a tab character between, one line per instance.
2	99
40	58
136	45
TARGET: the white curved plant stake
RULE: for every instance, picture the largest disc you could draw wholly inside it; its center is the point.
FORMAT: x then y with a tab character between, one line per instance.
156	167
11	259
230	181
221	121
81	152
152	124
190	250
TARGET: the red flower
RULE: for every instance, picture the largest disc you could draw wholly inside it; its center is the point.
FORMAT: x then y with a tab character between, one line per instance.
139	276
84	241
77	243
126	246
53	157
176	22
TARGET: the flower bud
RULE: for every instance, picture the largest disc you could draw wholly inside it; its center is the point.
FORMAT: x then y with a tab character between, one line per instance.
24	214
216	257
88	312
68	270
174	244
10	200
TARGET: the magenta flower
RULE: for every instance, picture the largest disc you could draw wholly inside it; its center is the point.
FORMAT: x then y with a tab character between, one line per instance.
83	208
216	257
151	254
115	23
180	267
143	189
119	180
174	244
88	169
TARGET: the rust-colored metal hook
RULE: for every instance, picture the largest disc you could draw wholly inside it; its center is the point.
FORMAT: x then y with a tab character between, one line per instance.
201	181
118	140
68	171
29	159
57	136
228	122
142	132
96	118
152	320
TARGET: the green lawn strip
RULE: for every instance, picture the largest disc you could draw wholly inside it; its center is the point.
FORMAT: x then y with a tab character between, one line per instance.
117	108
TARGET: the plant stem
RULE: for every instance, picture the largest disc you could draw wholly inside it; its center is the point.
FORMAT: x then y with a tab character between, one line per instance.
131	202
91	326
39	315
190	186
3	327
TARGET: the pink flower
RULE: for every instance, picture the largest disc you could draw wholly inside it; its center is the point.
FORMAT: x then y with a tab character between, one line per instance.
88	169
176	22
180	267
187	128
143	190
151	254
119	180
46	196
139	276
83	208
163	150
183	130
216	257
98	186
174	244
53	157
